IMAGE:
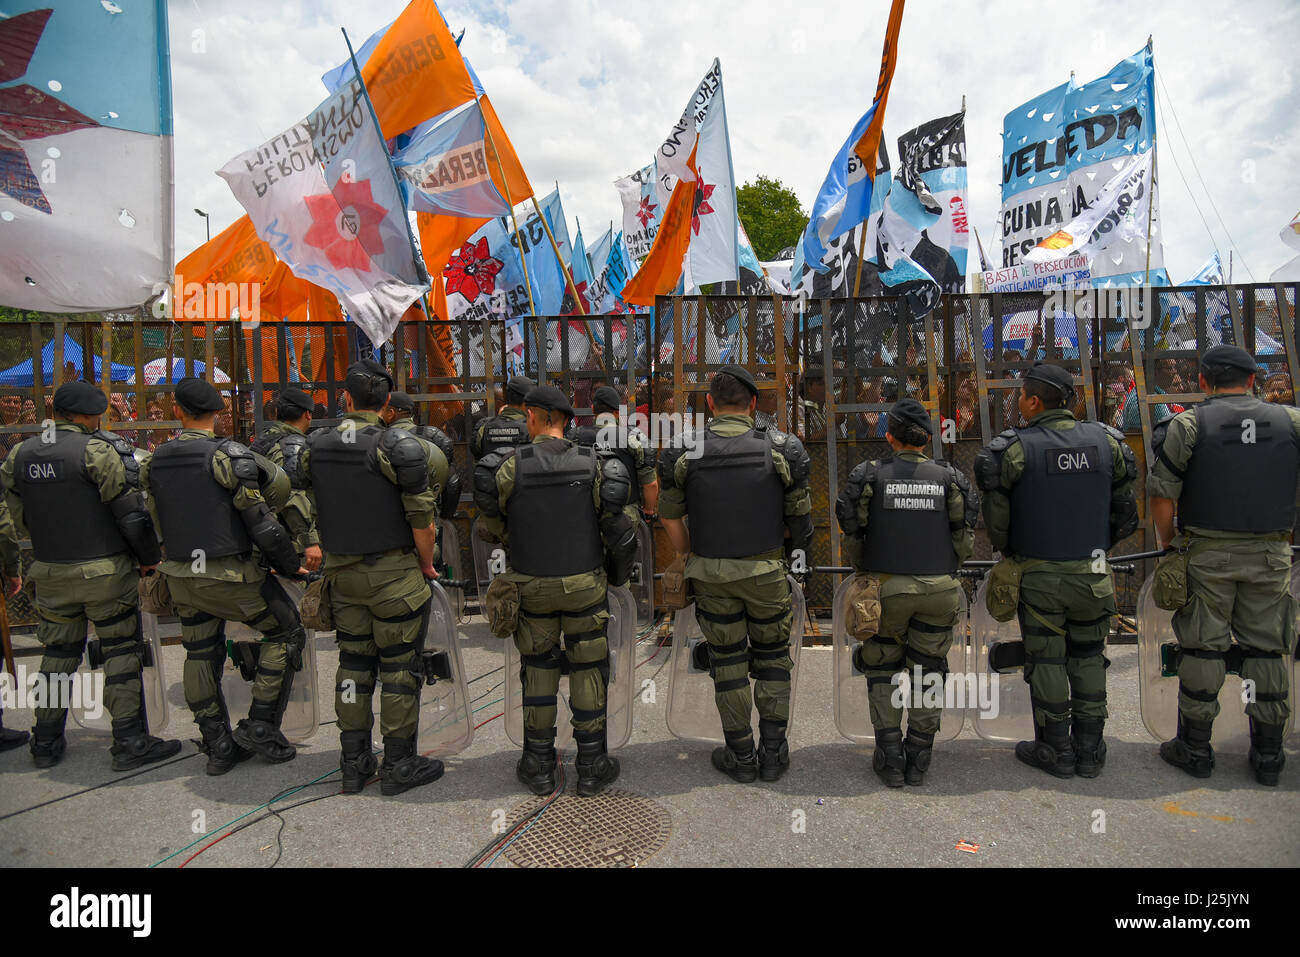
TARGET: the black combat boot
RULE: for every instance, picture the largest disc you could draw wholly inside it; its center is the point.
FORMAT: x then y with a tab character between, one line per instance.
220	747
1050	750
536	769
10	739
596	769
773	750
357	762
1089	746
133	745
736	758
917	749
888	761
48	742
1191	750
403	769
264	738
1266	755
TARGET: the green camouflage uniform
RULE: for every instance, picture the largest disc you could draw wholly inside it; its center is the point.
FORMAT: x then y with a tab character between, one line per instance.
1062	603
645	469
743	598
298	513
207	594
1237	585
439	467
103	591
573	605
378	603
917	612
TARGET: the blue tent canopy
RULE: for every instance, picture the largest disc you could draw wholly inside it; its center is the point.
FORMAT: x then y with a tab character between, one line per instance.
22	375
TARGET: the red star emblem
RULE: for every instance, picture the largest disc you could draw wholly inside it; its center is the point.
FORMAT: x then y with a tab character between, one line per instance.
702	207
345	225
472	272
646	211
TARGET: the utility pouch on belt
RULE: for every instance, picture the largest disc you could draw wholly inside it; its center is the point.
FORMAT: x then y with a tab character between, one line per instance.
1170	586
501	602
155	596
863	608
1003	594
677	589
315	606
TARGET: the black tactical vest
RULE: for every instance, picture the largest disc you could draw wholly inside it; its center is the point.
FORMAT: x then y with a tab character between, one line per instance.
551	515
358	510
1060	507
61	505
908	532
1234	485
586	435
734	497
195	512
501	433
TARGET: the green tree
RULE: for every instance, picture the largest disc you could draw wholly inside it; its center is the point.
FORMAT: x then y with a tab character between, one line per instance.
771	214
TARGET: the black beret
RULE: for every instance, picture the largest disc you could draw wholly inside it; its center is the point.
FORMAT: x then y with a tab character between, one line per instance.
401	401
80	398
911	412
361	380
1053	375
550	398
517	389
198	395
1221	358
607	396
741	374
296	399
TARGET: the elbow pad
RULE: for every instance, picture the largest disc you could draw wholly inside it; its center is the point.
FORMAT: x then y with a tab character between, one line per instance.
615	485
485	484
409	460
271	538
449	501
619	535
136	525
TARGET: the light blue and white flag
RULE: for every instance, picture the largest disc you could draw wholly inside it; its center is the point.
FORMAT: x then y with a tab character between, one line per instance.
444	168
843	201
1210	274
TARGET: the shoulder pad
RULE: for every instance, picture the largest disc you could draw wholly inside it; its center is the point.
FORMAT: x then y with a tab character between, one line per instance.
402	448
120	445
796	456
1159	432
846	504
988	460
1113	432
438	437
293	448
1004	440
668	464
234	449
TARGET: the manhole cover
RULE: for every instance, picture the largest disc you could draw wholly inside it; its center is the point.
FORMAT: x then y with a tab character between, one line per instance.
614	829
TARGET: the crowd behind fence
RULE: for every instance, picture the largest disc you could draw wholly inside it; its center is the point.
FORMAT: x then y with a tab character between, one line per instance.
828	370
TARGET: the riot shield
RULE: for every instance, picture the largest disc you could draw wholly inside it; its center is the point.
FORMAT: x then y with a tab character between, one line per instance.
619	695
302	712
692	712
449	543
642	582
1011	719
1158	681
446	718
489	560
852	713
154	683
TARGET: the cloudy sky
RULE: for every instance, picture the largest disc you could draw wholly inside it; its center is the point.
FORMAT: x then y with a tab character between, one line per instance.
588	89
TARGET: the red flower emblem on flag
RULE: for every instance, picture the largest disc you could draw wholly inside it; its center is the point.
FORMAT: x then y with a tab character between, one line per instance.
345	225
646	211
472	272
702	207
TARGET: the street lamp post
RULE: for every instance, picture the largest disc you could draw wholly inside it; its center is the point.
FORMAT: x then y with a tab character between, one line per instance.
207	222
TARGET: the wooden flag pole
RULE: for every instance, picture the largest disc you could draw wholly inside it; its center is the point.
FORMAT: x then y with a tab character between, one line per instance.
519	239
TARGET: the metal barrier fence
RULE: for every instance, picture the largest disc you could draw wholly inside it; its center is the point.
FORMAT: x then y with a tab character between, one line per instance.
828	370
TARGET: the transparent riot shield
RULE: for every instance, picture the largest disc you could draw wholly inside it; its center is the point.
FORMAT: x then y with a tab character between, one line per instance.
302	712
87	707
1010	716
1158	681
642	582
692	713
449	544
446	718
852	713
489	560
621	637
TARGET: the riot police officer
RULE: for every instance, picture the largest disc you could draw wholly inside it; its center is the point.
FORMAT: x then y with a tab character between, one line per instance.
283	441
1227	469
377	512
560	512
11	569
909	522
400	414
77	492
748	503
629	444
208	496
509	426
1057	495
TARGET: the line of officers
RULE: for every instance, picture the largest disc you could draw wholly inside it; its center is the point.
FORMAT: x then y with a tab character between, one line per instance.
361	501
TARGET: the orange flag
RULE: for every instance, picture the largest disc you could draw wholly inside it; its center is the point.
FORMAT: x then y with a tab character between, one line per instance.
868	148
416	71
516	184
663	267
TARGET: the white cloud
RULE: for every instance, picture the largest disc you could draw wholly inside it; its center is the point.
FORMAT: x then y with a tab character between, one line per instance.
586	91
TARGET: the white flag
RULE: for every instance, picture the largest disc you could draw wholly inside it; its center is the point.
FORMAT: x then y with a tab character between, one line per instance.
714	249
1118	215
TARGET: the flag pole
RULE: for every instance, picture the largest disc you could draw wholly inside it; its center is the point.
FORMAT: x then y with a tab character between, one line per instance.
519	239
862	244
1151	199
582	310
